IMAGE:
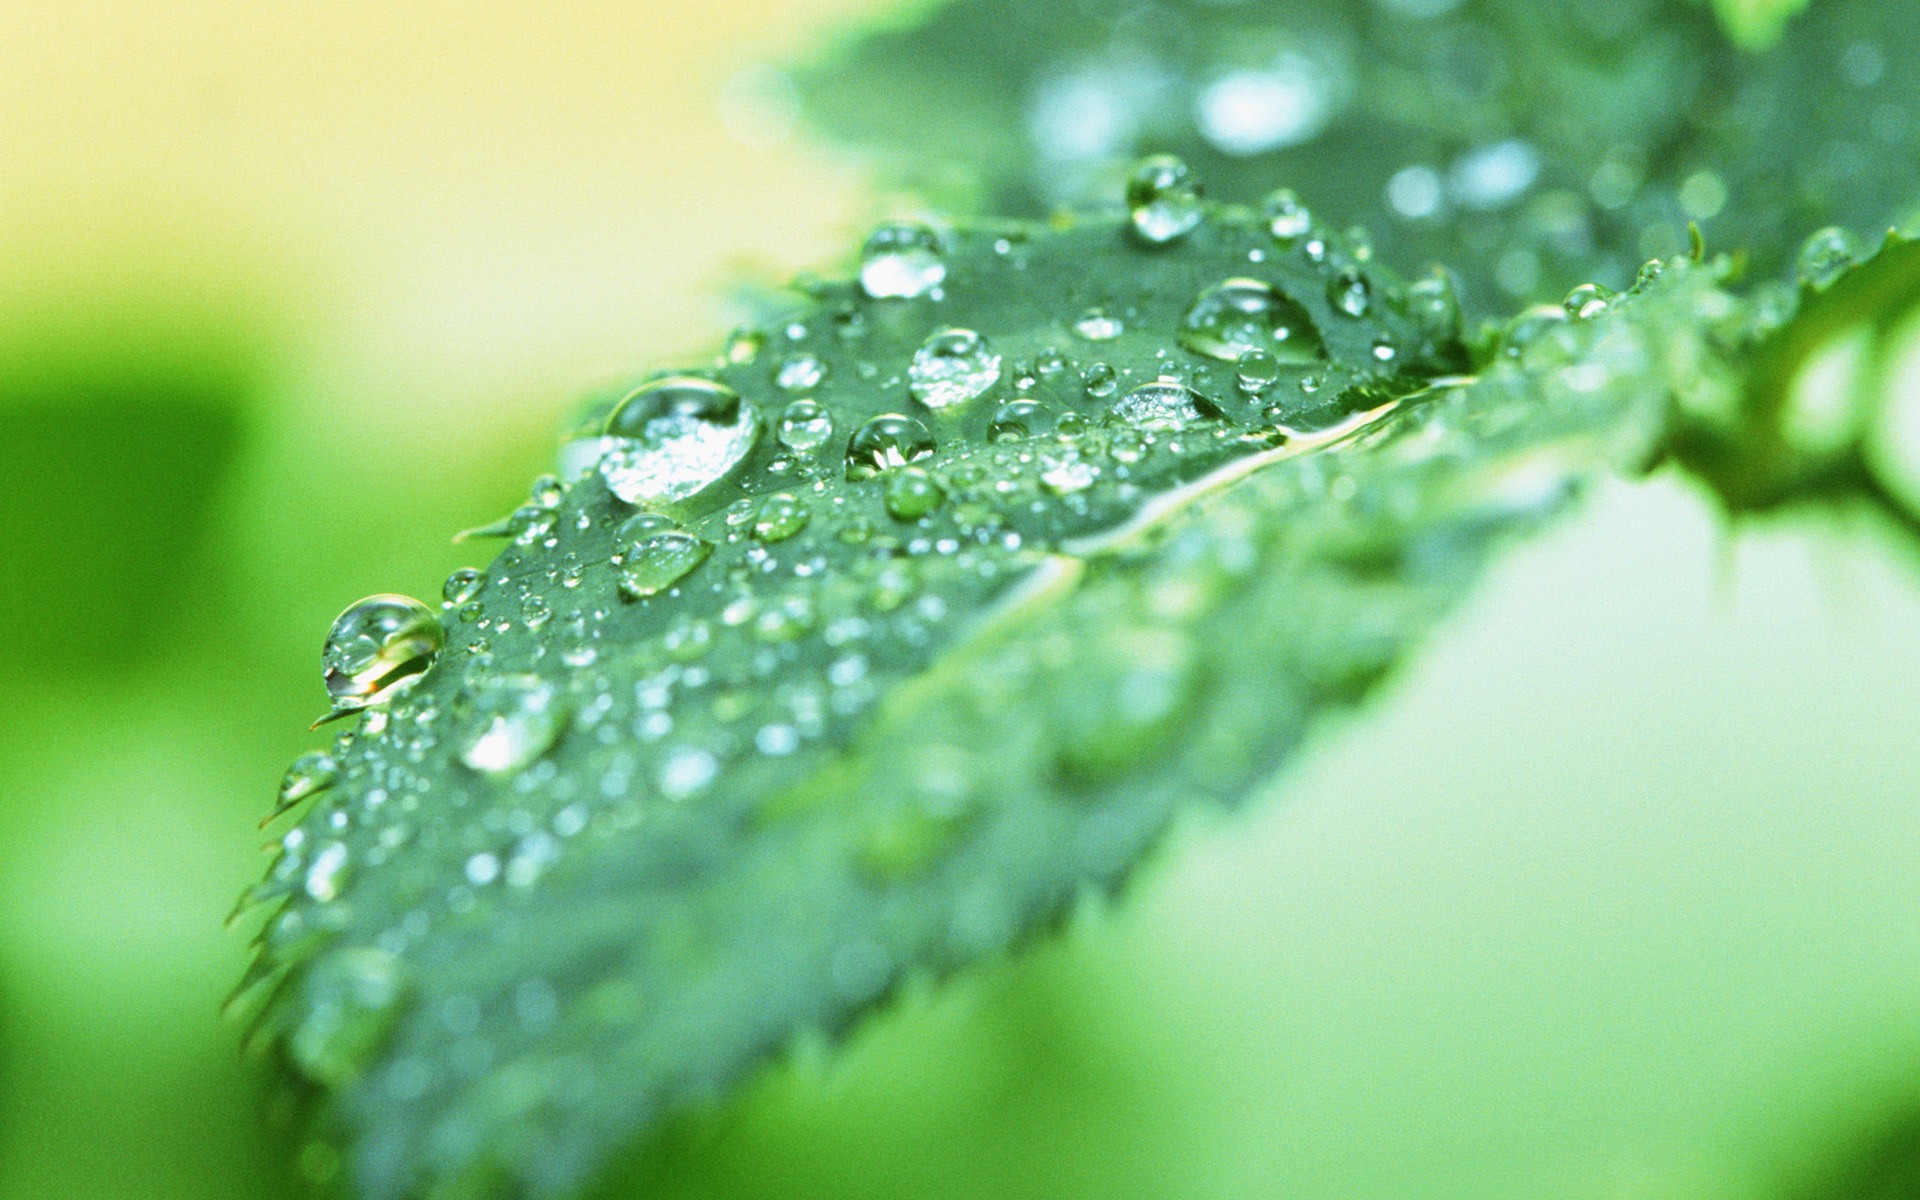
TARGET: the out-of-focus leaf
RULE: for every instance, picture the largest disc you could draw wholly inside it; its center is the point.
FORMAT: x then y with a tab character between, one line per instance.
608	854
1531	145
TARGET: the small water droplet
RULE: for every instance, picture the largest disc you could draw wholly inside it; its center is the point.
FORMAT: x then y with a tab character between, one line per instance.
1018	419
654	554
462	586
1587	301
1164	404
674	437
1828	255
377	646
1097	325
1287	219
548	491
1101	380
514	720
1349	292
312	773
744	345
1163	199
902	261
1258	371
1238	315
952	367
801	373
805	426
887	441
780	516
1434	305
911	494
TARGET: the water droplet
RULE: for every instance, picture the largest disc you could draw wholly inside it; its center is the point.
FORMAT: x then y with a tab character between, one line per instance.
312	773
912	494
1164	404
1163	199
1530	326
1587	301
1097	325
1238	315
515	719
1258	371
1828	255
1435	306
1018	419
902	261
462	586
805	426
1287	219
654	554
377	646
1100	379
1349	292
1064	472
887	441
780	516
744	345
548	491
952	367
801	373
673	437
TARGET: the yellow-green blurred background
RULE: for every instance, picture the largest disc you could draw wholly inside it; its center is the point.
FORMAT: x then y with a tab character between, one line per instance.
1615	895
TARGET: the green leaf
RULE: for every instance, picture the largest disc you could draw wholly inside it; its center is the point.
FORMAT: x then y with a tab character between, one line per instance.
608	854
1531	145
1757	24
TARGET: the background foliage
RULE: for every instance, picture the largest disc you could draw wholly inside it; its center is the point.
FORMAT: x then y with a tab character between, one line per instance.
1611	896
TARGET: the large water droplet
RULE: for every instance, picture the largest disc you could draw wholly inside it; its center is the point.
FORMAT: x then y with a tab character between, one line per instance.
902	261
805	426
1236	316
377	646
654	554
674	437
1164	404
515	719
1018	419
780	517
1163	199
885	442
912	494
952	367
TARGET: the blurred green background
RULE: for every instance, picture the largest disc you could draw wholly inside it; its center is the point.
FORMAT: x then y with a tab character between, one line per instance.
1613	895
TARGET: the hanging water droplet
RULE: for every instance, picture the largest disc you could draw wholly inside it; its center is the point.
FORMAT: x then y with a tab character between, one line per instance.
952	367
885	442
654	554
911	494
1238	315
1163	199
1097	325
1100	379
902	261
1349	292
805	426
1587	301
1164	404
1258	371
1018	419
514	720
1287	219
1828	255
462	586
801	373
376	647
780	516
673	437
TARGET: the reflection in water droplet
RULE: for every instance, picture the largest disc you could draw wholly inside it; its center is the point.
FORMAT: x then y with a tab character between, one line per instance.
1163	199
901	261
912	494
952	367
1231	318
887	441
515	719
673	437
376	647
654	554
1164	404
805	425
